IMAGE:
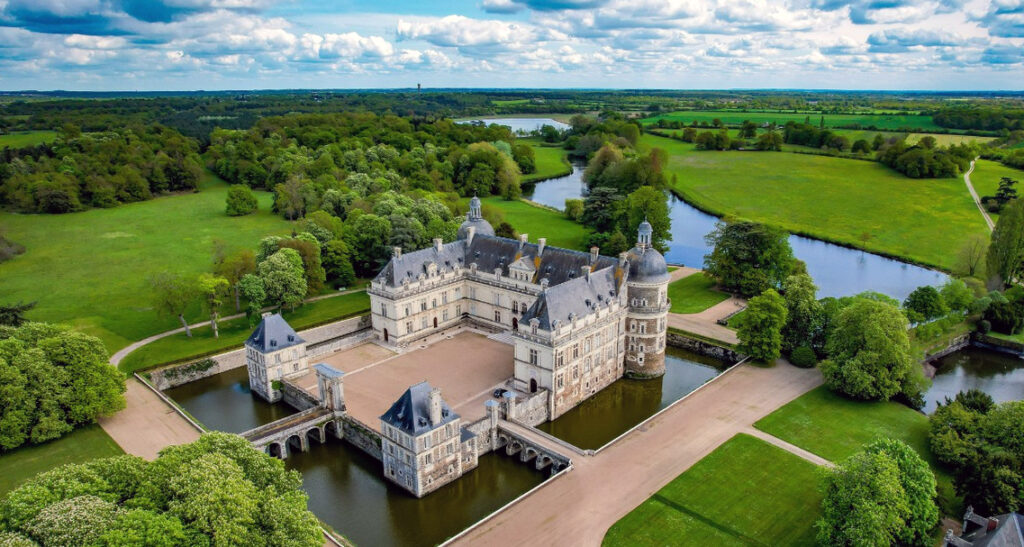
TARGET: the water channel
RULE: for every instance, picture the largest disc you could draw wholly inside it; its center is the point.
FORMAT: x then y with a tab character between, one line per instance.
1001	375
837	270
620	406
223	402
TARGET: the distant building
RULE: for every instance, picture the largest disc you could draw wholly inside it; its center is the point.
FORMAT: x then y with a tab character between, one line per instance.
978	531
423	446
273	352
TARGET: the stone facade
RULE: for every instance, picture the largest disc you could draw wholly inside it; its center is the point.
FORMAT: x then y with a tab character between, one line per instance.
273	353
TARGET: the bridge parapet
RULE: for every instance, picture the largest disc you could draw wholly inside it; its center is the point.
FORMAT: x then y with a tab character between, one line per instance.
280	437
517	439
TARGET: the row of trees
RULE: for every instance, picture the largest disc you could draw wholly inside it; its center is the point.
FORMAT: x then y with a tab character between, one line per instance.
926	160
82	170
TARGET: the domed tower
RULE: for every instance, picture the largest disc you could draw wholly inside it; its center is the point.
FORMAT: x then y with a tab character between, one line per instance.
647	315
475	220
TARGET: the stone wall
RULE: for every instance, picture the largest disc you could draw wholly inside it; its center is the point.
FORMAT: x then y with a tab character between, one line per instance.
955	344
320	341
999	344
361	436
482	429
534	409
297	397
701	347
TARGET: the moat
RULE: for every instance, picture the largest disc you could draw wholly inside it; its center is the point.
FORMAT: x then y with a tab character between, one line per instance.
1001	375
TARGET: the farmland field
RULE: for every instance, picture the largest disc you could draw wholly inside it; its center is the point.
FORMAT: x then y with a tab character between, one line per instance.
26	138
890	122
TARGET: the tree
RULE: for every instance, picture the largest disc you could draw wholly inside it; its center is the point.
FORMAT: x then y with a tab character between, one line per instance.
1006	190
291	197
212	288
869	353
574	209
312	265
689	134
924	304
957	295
240	201
748	258
505	229
651	205
748	130
337	263
601	208
770	140
283	278
1006	251
760	328
251	287
13	315
803	314
970	258
172	295
52	380
233	268
883	495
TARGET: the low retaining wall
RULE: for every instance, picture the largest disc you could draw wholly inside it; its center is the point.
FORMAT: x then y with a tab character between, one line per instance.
361	436
701	347
320	341
956	344
999	344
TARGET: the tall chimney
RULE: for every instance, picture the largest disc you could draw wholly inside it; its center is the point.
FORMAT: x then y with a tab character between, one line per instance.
435	406
470	232
396	252
594	252
437	243
523	239
585	272
622	260
541	242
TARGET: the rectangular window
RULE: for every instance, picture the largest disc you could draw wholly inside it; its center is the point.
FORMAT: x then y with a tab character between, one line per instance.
497	316
423	322
423	305
444	315
472	293
407	311
444	297
433	302
561	384
575	351
515	306
458	309
533	357
408	326
383	310
559	359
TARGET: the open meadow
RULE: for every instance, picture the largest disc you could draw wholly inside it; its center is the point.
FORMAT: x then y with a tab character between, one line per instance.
888	122
987	174
26	138
862	204
746	492
538	221
90	269
550	161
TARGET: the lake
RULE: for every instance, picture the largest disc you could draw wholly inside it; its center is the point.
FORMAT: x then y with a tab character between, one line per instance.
521	125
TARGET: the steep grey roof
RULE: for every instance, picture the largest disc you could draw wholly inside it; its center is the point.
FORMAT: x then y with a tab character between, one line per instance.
490	252
411	412
1009	533
646	265
466	435
575	297
273	334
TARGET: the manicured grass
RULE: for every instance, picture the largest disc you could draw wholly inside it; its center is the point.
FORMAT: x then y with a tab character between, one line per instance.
745	492
233	333
734	321
79	446
90	269
889	122
835	428
26	138
539	221
550	162
862	204
694	294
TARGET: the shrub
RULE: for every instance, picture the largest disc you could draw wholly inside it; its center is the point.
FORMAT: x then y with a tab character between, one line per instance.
803	357
984	326
241	201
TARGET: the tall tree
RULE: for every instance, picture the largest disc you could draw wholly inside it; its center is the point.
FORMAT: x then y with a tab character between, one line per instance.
1006	252
13	315
233	268
649	204
748	258
172	295
803	314
283	278
970	258
212	288
760	328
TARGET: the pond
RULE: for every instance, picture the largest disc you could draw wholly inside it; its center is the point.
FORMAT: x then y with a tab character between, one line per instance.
223	402
620	406
521	125
1001	375
838	271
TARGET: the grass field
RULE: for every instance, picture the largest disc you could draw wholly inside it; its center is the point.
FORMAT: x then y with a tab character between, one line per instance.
89	269
540	222
694	294
79	446
987	173
550	162
834	428
746	492
26	138
946	140
857	203
889	122
233	333
734	321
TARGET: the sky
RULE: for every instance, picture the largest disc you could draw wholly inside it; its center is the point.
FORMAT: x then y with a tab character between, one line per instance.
152	45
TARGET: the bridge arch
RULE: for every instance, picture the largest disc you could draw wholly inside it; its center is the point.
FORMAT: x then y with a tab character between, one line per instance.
276	450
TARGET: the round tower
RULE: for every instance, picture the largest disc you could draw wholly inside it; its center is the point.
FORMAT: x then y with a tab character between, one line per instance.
647	315
475	219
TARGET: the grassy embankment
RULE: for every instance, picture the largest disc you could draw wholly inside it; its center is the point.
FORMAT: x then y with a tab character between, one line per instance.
90	269
746	492
233	333
855	203
26	138
694	294
538	221
834	428
79	446
550	162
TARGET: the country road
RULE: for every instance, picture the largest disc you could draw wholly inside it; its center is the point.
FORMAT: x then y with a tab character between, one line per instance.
977	200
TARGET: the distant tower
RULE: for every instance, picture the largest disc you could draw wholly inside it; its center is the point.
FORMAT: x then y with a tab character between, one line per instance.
419	87
647	315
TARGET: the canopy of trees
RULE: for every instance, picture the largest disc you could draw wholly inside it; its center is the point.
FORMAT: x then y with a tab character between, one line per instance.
52	380
215	491
748	258
921	161
1006	251
760	328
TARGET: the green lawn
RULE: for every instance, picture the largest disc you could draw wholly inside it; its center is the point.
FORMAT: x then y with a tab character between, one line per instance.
694	294
79	446
734	321
987	173
550	161
89	269
233	333
745	492
946	140
539	221
26	138
835	427
858	203
889	122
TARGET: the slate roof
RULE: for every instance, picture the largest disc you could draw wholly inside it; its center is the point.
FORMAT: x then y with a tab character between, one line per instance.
1009	533
328	371
576	297
647	265
557	265
411	412
273	334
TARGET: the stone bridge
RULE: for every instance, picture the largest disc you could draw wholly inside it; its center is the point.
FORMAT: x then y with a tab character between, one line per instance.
294	432
531	444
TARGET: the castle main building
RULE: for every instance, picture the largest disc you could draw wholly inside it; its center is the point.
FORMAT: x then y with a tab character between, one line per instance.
579	320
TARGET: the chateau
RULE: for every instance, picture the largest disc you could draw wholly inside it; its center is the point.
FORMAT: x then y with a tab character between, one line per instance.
579	321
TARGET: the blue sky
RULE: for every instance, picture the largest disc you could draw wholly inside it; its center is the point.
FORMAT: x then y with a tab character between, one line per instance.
685	44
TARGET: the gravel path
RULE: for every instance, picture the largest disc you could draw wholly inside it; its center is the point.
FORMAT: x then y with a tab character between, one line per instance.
147	424
977	200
